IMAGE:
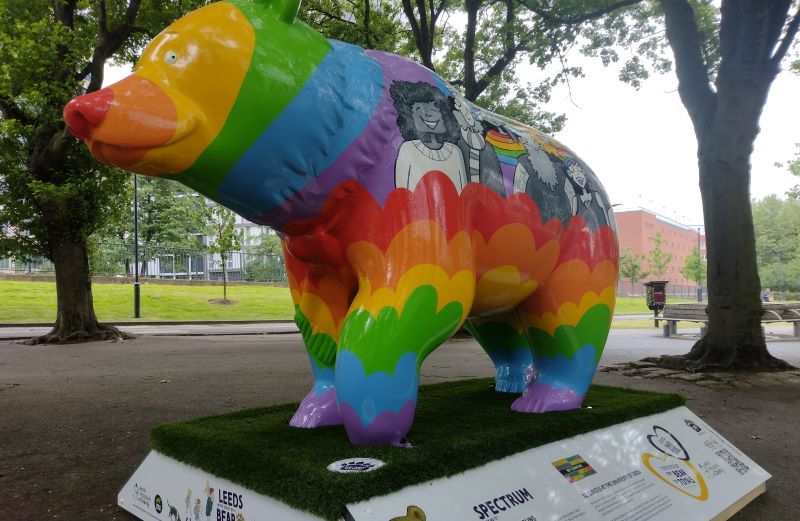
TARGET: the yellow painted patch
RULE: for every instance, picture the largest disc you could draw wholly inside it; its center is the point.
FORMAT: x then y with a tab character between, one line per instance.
501	288
200	61
460	288
570	313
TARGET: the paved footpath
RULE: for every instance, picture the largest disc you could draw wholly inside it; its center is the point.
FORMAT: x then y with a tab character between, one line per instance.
74	419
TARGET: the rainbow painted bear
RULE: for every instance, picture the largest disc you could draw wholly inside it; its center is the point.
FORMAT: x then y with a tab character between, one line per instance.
405	211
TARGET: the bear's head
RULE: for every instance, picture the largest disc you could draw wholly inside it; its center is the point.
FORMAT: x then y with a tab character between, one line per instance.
206	84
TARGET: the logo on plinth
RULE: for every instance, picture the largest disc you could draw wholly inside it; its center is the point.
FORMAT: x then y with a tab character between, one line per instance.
349	466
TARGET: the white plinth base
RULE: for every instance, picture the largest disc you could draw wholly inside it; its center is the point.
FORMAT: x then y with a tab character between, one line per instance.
662	467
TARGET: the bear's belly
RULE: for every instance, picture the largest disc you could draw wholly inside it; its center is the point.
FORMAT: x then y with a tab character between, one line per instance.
501	289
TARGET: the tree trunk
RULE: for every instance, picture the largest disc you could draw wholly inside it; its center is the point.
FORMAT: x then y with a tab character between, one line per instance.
75	319
224	282
726	125
734	340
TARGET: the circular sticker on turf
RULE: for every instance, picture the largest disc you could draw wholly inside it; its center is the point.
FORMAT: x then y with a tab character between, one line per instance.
348	466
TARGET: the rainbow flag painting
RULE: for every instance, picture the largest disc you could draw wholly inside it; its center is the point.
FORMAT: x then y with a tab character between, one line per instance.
508	151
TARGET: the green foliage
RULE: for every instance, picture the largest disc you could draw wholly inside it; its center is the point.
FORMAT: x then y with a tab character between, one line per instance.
794	168
51	189
458	426
169	216
265	260
777	228
694	266
639	29
222	232
268	244
658	260
504	38
360	22
223	238
630	266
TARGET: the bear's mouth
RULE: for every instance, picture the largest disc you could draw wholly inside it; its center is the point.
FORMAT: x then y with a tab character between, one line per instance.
116	155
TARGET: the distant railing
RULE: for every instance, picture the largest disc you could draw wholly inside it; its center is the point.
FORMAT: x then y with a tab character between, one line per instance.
626	289
110	259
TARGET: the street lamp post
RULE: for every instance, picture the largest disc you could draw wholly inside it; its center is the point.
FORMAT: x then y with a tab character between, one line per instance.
136	310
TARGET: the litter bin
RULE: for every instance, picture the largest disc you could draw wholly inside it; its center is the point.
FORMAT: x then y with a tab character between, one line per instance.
656	296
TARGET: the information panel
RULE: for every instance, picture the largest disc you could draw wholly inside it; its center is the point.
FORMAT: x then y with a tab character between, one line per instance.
663	467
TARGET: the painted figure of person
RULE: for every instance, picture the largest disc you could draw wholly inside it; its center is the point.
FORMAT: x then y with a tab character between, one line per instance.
209	501
430	132
472	133
197	506
535	162
188	503
579	191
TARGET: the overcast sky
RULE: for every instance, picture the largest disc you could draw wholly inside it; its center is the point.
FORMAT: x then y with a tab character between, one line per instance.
641	143
642	146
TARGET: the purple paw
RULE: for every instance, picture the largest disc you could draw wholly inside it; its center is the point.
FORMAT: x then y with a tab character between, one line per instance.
317	410
541	397
387	428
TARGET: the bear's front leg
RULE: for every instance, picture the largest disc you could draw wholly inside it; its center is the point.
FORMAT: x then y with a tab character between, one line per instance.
321	297
411	299
504	339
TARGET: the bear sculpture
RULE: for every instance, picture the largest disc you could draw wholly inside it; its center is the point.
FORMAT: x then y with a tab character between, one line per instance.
404	210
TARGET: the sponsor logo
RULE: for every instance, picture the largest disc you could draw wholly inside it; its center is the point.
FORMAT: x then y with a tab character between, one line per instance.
673	466
574	468
158	504
692	425
141	496
348	466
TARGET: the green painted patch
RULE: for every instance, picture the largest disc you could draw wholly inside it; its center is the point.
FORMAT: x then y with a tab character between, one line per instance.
592	329
380	341
499	336
321	346
459	425
284	58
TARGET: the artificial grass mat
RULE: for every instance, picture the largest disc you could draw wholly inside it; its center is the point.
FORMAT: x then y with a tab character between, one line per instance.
458	426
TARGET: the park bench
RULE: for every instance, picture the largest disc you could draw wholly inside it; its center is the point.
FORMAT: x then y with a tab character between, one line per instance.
696	312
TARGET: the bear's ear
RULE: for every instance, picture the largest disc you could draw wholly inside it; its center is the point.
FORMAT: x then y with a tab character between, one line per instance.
285	9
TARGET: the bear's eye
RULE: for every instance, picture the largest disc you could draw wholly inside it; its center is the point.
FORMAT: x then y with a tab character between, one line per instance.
171	58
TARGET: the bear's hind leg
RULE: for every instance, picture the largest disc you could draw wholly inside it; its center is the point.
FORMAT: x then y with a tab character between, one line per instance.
505	340
568	321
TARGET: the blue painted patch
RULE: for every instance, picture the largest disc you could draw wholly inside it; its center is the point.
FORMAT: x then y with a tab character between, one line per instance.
507	160
371	395
328	113
575	373
323	377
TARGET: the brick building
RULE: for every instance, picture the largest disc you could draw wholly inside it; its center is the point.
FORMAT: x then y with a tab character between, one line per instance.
637	227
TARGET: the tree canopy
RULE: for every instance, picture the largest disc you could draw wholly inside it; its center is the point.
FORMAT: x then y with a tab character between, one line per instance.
777	227
53	194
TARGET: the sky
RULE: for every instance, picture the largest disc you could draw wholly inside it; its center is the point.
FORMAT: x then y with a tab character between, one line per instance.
642	147
641	143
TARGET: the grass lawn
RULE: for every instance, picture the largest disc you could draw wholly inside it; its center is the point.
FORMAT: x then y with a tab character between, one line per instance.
458	426
35	302
31	302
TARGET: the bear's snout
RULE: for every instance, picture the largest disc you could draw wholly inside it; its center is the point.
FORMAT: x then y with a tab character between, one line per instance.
86	112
